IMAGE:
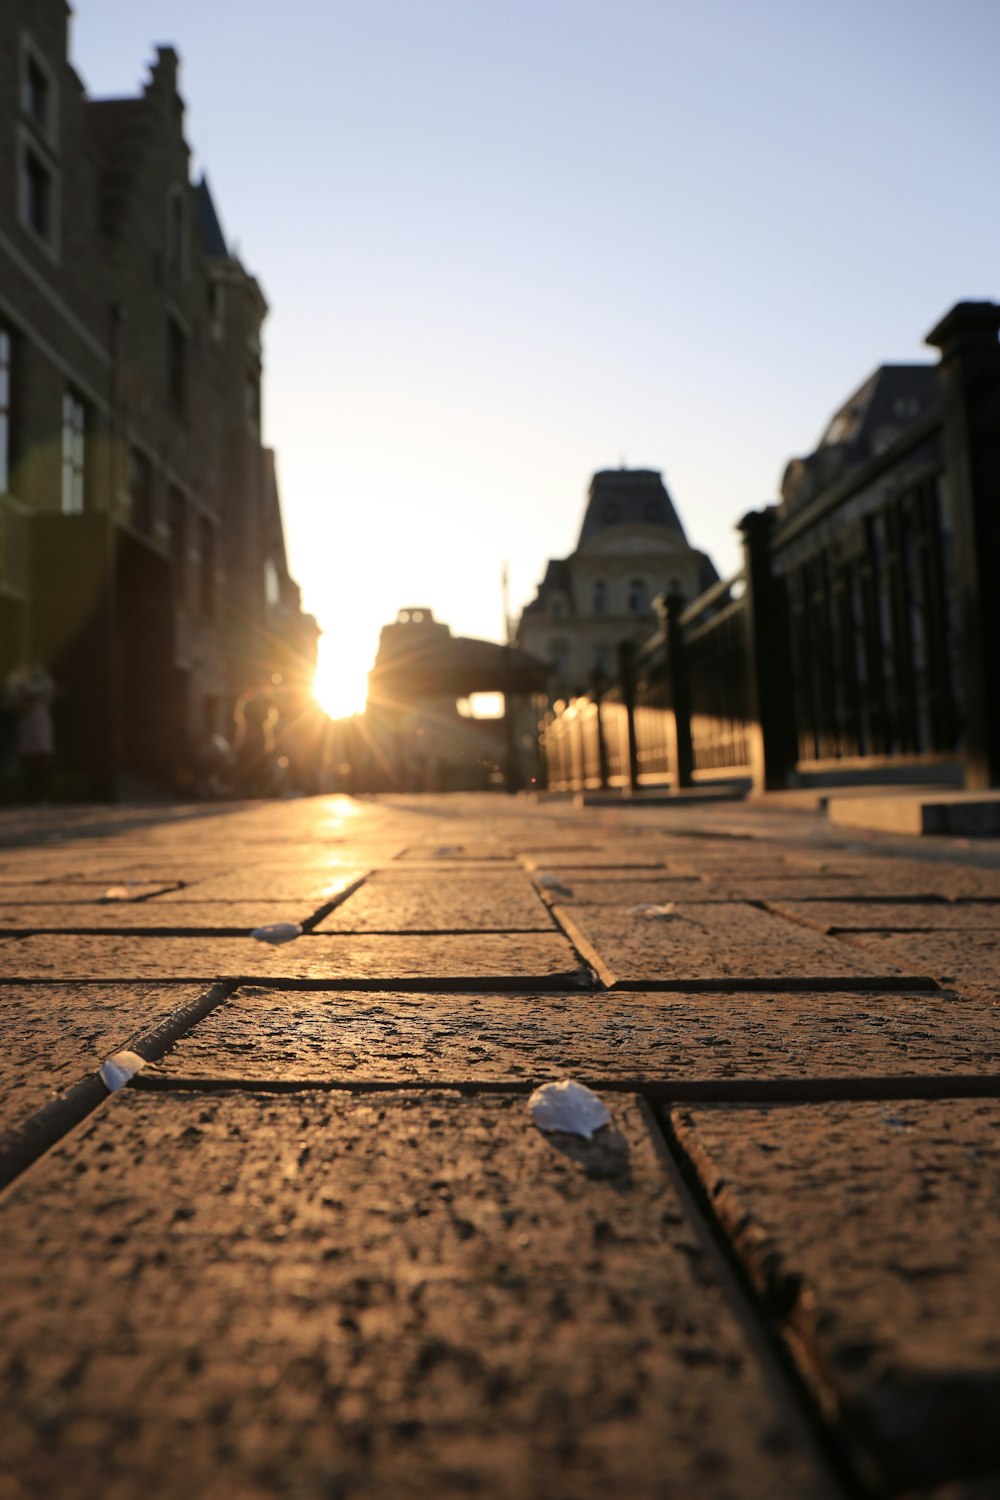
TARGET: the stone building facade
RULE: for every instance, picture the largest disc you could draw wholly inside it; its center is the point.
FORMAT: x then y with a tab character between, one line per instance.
631	548
141	553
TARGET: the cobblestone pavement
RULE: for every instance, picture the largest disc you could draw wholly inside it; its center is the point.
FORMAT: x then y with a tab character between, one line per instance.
317	1249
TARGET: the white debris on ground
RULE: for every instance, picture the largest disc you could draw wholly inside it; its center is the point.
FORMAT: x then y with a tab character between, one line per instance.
277	932
666	912
568	1107
117	1070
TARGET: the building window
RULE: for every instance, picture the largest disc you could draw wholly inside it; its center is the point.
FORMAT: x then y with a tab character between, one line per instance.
252	397
140	491
176	365
175	231
74	453
38	90
6	349
600	596
177	521
559	659
557	609
36	98
38	195
217	310
207	550
638	597
272	584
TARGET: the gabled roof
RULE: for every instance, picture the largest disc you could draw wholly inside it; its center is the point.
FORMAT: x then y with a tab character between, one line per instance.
628	497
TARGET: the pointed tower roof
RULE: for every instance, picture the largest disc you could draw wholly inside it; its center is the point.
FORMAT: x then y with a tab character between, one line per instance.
213	241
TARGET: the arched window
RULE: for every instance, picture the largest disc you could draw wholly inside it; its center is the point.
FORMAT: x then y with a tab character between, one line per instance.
600	596
175	231
638	597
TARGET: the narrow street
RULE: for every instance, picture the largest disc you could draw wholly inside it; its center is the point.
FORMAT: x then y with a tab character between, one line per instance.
316	1245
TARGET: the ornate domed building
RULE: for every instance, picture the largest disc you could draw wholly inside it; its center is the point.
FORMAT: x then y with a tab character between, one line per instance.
631	548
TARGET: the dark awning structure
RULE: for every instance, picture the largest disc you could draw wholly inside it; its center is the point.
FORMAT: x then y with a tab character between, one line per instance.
449	666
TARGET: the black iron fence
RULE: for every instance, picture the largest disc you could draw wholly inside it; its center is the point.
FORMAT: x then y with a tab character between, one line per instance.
862	631
677	711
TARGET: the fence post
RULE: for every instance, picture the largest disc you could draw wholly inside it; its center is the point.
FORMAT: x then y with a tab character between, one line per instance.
580	751
542	754
626	672
968	337
680	751
769	665
597	692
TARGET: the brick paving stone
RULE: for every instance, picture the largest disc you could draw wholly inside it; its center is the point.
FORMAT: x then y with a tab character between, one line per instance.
834	917
460	854
953	958
738	887
527	849
711	862
54	1036
894	1307
441	903
164	872
151	916
320	1295
263	1034
543	957
60	892
719	945
611	862
952	882
617	890
259	884
881	879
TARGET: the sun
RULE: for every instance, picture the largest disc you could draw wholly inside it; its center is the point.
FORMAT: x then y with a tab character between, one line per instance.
340	685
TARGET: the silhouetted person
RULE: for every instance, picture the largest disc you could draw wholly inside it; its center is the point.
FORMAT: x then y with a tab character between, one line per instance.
34	734
255	718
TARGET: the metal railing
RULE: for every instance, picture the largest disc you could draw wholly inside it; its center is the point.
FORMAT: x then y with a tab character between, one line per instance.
872	617
835	646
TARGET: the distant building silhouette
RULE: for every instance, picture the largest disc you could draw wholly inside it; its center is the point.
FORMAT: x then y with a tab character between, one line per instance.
889	402
631	548
141	550
415	736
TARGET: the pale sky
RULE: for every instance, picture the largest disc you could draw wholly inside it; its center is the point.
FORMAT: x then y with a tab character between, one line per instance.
509	242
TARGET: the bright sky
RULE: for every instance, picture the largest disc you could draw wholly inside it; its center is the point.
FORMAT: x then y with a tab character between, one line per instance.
509	242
